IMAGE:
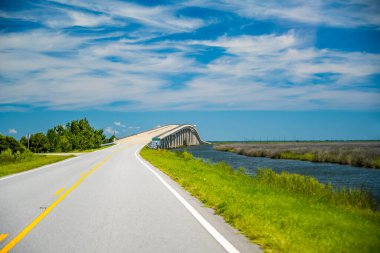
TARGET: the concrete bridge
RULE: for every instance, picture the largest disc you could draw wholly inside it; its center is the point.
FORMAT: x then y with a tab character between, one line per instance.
177	136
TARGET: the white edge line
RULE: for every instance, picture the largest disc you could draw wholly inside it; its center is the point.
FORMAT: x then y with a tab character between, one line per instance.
220	238
38	169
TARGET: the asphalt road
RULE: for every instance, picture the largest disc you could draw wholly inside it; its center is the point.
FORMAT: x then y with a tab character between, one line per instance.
108	201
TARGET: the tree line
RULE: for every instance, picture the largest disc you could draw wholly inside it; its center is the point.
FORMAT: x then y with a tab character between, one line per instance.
75	135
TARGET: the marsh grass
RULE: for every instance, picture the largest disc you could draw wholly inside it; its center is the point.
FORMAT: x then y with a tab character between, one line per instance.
11	163
362	154
281	212
353	198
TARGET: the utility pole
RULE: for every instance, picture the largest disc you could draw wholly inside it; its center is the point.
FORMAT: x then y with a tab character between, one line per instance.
28	138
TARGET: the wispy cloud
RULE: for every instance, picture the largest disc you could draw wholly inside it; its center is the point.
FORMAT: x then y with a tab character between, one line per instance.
119	124
159	17
253	64
110	130
339	13
12	131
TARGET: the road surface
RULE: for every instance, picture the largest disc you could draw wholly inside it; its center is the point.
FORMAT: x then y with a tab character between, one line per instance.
108	201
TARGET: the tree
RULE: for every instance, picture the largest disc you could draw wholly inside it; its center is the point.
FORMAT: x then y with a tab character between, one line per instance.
39	143
99	137
65	144
111	139
11	143
54	140
76	135
24	141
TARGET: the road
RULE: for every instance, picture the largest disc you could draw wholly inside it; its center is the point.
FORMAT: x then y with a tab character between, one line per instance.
108	201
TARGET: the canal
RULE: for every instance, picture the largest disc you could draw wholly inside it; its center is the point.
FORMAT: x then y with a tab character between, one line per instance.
338	175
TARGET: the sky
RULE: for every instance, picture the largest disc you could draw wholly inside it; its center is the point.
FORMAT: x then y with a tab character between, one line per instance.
237	69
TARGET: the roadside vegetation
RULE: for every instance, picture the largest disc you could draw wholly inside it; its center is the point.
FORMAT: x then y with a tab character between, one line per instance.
361	154
15	157
11	163
281	212
76	135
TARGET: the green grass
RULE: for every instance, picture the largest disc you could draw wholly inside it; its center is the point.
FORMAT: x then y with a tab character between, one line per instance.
280	212
8	167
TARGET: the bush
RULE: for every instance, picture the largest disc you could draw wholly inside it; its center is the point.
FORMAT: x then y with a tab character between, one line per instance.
8	142
184	155
7	155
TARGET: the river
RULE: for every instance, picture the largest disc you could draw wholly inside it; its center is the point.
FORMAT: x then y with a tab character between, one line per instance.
338	175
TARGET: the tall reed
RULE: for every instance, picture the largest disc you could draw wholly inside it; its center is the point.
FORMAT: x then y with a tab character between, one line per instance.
306	185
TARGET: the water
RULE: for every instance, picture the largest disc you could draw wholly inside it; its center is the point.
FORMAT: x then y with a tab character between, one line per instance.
338	175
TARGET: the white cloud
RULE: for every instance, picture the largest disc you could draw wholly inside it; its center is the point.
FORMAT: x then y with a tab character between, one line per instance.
262	44
38	41
71	18
12	131
110	130
134	127
119	124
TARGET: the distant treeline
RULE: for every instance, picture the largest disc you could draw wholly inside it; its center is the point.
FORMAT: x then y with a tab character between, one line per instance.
75	135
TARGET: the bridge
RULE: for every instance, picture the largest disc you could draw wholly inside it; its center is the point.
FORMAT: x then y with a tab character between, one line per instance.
177	136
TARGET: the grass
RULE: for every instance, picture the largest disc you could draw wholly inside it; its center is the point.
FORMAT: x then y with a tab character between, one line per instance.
14	163
281	212
361	154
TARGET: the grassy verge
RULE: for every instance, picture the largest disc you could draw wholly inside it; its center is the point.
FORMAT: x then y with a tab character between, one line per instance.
280	212
8	167
361	154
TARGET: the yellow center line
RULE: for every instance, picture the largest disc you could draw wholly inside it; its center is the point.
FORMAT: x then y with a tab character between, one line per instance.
3	236
37	220
59	191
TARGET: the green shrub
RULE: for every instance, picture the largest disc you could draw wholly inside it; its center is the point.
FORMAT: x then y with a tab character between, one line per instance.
376	162
184	155
8	142
8	156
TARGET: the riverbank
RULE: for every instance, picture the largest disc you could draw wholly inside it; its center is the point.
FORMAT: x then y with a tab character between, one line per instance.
282	213
360	154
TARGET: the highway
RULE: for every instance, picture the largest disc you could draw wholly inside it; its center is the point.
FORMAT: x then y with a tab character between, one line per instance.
108	201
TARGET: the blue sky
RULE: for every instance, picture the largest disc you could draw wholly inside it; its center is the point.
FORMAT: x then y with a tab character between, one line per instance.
294	64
